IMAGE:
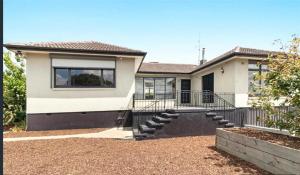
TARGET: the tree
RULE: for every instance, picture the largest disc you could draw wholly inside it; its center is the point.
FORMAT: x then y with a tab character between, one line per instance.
14	90
282	80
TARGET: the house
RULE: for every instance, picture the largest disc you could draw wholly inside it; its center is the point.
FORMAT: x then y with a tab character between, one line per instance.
91	84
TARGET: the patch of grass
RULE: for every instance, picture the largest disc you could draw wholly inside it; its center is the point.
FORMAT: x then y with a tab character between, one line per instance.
19	126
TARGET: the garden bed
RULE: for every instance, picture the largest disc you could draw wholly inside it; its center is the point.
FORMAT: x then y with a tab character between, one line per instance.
276	153
280	139
51	132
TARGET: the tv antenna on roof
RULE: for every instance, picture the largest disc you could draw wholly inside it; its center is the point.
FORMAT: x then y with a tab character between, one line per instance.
199	50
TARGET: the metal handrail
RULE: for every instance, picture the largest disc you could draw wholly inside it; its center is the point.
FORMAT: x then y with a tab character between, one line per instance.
206	100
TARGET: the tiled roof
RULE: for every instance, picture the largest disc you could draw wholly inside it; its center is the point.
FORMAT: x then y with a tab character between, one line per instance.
237	51
166	68
244	50
85	46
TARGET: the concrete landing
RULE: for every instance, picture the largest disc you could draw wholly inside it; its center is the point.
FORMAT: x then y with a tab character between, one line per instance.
114	133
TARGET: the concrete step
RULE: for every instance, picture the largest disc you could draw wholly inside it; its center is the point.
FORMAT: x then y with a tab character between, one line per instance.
221	122
143	136
218	117
158	119
229	125
146	129
211	114
153	124
169	115
171	111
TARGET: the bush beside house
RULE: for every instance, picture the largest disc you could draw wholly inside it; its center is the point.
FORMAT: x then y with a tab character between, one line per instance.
14	92
282	80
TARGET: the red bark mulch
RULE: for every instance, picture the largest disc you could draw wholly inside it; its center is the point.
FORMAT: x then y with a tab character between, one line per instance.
284	140
185	155
51	132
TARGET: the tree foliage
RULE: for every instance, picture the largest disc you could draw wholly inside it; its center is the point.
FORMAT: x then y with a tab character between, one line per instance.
14	90
282	85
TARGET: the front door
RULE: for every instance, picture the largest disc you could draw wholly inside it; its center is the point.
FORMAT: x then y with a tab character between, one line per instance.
185	91
208	88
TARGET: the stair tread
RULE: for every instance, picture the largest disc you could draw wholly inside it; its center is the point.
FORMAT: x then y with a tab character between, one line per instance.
143	136
223	121
153	124
229	125
145	128
175	115
171	111
218	117
161	119
211	114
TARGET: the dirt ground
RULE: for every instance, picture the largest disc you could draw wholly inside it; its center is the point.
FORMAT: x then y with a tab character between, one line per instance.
185	155
51	132
292	142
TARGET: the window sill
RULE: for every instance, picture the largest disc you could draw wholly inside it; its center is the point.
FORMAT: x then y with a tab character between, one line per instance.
83	89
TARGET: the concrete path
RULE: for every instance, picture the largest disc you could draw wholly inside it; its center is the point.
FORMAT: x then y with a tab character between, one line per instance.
114	133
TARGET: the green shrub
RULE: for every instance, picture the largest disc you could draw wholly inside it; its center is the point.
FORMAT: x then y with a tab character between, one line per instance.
14	90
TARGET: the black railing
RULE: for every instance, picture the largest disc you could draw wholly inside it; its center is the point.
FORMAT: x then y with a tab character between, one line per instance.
145	106
140	116
229	97
184	99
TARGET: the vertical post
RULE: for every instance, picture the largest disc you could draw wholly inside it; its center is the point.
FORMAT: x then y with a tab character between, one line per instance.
224	108
242	117
164	100
177	96
133	105
155	107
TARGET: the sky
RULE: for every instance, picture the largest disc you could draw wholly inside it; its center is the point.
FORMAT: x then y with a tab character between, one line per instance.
168	30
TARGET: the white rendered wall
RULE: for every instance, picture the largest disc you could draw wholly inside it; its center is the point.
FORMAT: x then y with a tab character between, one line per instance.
233	80
42	98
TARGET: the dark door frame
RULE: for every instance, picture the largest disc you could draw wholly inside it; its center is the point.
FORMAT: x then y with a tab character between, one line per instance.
185	95
208	88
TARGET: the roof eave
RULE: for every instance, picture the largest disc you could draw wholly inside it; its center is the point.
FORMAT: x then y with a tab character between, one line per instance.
34	48
227	57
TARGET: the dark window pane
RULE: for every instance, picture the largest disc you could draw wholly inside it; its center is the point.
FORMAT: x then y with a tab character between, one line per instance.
108	78
61	77
85	77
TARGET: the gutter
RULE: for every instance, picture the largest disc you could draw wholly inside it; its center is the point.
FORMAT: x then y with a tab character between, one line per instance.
141	62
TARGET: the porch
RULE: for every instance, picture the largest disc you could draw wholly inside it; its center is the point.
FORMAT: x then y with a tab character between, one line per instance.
184	113
183	100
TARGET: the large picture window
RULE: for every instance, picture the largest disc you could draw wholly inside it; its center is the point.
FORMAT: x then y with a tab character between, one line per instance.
155	88
84	77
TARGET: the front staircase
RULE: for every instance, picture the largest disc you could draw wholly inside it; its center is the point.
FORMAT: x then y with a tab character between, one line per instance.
150	128
159	117
220	119
147	130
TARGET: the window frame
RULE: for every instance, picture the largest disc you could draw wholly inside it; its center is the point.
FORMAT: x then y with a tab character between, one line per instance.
258	70
165	79
69	85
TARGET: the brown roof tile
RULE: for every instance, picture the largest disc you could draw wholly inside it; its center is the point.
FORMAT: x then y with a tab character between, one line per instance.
85	46
166	68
